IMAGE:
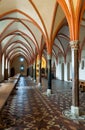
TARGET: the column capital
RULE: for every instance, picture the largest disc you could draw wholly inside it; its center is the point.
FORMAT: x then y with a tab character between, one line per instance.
34	65
39	61
49	56
74	44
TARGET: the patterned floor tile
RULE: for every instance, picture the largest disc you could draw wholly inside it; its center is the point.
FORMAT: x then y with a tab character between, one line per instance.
28	109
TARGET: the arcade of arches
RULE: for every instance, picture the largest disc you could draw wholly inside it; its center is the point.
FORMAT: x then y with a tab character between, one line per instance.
49	38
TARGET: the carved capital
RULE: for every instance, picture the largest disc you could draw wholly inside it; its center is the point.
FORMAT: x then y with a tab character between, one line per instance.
49	57
39	61
34	65
74	45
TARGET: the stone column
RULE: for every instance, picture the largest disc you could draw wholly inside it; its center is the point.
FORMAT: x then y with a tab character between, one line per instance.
75	78
39	84
9	69
3	66
6	70
31	72
46	70
34	71
1	78
49	75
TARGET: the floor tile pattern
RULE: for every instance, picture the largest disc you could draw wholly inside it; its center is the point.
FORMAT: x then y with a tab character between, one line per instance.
29	109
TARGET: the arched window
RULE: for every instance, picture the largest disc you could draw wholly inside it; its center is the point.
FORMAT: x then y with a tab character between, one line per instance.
22	68
21	59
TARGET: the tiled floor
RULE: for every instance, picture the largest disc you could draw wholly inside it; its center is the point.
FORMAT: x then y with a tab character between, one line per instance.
28	109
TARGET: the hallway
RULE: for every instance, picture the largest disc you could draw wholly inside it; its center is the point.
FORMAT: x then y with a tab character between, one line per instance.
28	109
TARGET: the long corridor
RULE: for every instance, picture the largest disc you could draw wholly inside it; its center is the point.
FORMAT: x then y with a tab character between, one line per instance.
29	109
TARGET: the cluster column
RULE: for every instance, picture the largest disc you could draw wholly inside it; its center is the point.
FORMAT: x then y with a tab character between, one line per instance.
75	78
34	71
31	71
6	70
49	91
39	84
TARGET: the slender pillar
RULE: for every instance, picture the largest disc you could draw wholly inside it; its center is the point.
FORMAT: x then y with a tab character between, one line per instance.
34	72
3	66
0	66
31	72
46	70
1	78
75	78
39	84
6	70
9	69
49	75
6	74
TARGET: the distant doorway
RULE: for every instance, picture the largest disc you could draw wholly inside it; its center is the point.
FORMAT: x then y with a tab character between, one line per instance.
27	71
12	71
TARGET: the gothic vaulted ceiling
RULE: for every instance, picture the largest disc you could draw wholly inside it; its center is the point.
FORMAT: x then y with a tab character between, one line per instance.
35	27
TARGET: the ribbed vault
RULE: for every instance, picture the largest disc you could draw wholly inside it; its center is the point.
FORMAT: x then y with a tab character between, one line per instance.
37	27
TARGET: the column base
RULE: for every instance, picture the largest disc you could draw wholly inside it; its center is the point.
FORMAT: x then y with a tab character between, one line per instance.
49	92
71	114
34	81
75	111
31	78
39	85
